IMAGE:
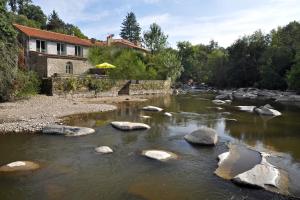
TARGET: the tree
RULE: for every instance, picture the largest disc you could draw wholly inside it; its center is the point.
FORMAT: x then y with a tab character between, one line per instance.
13	5
293	76
71	29
8	54
35	13
22	4
130	29
167	65
55	23
155	39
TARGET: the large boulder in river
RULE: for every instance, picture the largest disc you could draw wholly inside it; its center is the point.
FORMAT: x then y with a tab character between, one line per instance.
203	136
226	96
67	130
152	108
128	126
159	155
19	166
248	167
259	176
267	110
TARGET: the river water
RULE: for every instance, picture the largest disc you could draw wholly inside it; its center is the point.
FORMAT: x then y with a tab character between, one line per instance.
72	170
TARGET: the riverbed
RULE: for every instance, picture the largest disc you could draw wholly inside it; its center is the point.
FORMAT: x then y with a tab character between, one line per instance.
72	170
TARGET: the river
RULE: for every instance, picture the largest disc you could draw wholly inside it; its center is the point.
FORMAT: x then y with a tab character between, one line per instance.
72	170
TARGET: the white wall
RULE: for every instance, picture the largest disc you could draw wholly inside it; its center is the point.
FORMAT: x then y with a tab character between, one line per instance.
32	45
51	47
85	52
70	50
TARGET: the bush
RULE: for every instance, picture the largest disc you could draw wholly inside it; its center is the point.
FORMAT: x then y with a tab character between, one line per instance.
293	78
100	85
70	85
26	84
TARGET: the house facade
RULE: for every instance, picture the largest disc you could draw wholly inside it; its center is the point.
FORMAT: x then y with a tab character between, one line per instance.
50	53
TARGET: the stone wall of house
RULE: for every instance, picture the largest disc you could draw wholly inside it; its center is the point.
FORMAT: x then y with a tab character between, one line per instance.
58	65
38	64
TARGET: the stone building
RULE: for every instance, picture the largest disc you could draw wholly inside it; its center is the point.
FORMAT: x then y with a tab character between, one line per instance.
50	53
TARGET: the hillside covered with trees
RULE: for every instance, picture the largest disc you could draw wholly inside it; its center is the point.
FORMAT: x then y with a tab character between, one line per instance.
268	61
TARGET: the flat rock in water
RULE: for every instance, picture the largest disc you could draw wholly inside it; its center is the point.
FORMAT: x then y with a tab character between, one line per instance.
267	110
259	176
159	155
104	150
145	117
246	108
203	136
19	166
242	166
153	108
67	130
128	126
218	102
168	114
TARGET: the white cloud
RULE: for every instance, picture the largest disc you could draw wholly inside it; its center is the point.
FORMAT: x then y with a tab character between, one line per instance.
227	28
224	28
159	19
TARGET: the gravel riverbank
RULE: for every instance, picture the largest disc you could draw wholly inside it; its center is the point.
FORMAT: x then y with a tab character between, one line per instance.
33	114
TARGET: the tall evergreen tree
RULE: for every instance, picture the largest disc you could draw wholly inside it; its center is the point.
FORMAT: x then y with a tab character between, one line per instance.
155	39
130	29
55	23
22	4
13	5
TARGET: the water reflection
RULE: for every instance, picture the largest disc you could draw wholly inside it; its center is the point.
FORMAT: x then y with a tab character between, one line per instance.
74	171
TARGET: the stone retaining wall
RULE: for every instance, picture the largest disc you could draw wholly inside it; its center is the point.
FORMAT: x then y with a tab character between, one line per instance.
54	86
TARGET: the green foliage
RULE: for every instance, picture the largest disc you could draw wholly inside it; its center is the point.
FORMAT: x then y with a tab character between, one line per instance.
70	85
55	23
8	54
71	29
167	65
155	39
129	66
130	29
26	84
34	13
13	5
23	20
257	60
100	85
293	76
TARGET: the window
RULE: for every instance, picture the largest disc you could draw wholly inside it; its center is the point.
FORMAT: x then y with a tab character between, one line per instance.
41	46
69	68
78	51
61	50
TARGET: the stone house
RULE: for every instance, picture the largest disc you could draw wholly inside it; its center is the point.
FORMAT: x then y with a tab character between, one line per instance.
50	53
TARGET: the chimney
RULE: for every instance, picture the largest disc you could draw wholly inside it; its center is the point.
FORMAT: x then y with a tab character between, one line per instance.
93	40
138	43
110	39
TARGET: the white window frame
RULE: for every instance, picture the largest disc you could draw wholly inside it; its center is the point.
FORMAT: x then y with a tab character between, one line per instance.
40	46
69	68
59	49
78	51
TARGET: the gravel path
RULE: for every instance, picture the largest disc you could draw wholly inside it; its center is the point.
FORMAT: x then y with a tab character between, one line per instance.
33	114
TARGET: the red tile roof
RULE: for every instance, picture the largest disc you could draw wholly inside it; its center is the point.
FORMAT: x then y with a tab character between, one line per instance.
53	36
48	35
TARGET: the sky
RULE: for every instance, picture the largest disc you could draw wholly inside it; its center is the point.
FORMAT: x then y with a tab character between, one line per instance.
197	21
